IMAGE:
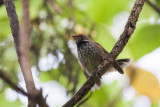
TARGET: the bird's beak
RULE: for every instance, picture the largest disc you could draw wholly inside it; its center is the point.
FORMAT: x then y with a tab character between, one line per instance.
75	36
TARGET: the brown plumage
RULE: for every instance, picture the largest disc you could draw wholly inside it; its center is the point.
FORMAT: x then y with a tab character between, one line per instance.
91	54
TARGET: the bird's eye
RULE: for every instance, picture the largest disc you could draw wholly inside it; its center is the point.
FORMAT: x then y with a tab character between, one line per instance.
81	36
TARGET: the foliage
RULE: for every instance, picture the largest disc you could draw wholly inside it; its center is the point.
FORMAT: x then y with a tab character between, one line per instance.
51	35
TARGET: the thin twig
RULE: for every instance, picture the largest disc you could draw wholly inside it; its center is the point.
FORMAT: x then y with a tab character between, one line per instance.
6	78
54	5
155	7
84	100
117	49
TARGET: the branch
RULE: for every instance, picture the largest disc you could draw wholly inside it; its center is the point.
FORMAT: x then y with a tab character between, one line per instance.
17	88
84	100
54	6
14	23
6	78
24	39
22	47
117	49
1	2
157	9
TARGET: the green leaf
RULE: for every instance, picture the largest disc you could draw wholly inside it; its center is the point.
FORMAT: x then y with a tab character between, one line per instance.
104	37
146	39
4	28
101	98
154	104
157	2
104	10
48	75
147	12
35	6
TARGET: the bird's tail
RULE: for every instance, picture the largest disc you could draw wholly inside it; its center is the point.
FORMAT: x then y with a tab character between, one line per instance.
120	64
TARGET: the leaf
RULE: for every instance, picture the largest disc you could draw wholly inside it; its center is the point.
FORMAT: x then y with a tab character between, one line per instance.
157	2
104	38
104	96
104	10
49	75
144	82
146	39
35	6
4	28
99	98
147	13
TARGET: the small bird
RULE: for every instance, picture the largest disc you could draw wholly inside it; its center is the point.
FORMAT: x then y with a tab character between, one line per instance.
91	54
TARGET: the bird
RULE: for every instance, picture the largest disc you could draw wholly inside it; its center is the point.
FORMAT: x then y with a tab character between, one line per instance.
91	54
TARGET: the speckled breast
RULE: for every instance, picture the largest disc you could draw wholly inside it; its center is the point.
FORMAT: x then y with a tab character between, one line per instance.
89	56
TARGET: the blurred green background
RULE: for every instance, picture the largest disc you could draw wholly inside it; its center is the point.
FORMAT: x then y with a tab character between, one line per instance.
53	53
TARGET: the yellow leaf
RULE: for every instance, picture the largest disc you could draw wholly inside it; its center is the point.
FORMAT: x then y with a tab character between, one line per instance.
144	82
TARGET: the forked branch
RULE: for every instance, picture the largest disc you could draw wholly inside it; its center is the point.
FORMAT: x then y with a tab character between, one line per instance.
21	42
6	78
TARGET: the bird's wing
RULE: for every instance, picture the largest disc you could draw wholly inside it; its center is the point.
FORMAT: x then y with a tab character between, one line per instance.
104	54
102	51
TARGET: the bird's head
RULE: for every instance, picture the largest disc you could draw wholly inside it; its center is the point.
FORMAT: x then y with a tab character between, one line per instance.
80	38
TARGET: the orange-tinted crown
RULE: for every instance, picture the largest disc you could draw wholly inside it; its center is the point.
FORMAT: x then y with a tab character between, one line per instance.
79	34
